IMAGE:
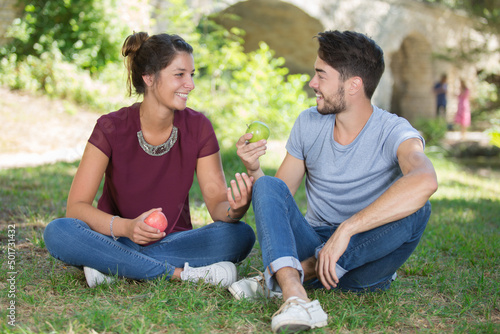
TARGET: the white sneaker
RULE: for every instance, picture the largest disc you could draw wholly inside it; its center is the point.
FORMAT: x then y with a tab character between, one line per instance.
223	273
95	277
252	288
297	315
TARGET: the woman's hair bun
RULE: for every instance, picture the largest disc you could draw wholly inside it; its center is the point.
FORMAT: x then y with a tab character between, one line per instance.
133	43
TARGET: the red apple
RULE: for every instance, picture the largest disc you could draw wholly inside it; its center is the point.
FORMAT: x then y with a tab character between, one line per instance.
157	220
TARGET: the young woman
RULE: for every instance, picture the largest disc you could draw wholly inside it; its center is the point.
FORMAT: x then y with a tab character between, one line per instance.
463	116
149	153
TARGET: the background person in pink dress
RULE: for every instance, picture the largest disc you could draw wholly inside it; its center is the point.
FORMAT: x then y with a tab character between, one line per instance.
462	117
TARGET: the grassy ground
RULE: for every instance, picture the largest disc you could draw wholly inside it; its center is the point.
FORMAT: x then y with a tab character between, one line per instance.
450	284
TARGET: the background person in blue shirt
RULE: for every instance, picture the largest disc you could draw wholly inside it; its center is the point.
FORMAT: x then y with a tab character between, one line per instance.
440	90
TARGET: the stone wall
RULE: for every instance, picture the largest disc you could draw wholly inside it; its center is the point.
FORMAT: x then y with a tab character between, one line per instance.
9	11
292	30
412	73
411	34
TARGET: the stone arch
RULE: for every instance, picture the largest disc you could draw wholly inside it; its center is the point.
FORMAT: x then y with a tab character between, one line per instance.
411	67
287	29
10	10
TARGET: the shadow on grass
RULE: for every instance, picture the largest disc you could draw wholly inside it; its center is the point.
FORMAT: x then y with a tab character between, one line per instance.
452	278
458	251
465	231
38	191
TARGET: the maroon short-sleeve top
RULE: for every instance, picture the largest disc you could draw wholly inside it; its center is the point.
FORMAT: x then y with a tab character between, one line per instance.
135	181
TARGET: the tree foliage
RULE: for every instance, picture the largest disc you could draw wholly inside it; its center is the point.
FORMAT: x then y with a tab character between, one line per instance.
487	10
87	33
78	57
235	88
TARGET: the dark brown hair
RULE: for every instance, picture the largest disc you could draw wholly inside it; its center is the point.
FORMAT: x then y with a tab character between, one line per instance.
353	54
146	55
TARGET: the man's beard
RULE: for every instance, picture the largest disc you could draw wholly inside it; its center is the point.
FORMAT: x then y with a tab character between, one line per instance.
333	104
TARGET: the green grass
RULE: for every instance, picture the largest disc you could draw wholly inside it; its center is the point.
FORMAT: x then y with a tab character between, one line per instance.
450	284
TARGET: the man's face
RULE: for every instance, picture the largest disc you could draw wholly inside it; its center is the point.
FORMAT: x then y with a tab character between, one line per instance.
329	89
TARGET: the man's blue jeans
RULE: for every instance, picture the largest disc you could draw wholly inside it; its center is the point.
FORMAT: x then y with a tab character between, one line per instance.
75	243
286	238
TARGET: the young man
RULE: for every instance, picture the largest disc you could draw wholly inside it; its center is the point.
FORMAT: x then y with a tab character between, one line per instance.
368	182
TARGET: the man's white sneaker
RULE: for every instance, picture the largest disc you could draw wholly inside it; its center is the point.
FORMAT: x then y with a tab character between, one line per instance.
95	277
223	273
252	288
297	315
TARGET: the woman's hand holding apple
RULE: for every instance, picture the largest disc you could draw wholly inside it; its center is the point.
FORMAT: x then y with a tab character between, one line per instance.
141	233
157	220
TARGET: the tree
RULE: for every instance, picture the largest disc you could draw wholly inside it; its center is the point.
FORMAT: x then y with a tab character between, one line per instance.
488	11
87	33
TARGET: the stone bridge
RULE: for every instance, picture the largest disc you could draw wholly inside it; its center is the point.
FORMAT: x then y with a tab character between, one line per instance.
415	37
412	35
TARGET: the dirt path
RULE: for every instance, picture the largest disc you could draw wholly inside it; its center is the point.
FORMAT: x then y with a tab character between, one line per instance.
36	130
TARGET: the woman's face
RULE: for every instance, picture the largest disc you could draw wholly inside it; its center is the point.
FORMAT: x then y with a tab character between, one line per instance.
175	82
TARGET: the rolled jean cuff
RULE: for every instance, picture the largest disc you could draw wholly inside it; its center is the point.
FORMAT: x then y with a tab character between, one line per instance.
338	269
282	262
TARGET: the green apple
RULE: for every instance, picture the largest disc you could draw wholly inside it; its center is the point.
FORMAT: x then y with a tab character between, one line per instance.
259	130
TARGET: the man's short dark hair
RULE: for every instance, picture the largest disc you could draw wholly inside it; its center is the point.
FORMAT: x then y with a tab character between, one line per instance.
353	54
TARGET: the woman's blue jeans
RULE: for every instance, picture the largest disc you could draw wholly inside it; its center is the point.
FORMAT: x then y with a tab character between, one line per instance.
286	238
75	243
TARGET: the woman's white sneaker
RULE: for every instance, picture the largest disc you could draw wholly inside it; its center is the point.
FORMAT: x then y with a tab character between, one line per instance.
296	315
223	273
95	277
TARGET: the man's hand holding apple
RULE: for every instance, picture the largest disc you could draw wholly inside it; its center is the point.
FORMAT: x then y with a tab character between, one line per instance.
251	146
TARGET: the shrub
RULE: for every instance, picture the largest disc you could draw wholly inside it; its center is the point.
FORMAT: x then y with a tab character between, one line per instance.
232	87
88	33
433	129
494	133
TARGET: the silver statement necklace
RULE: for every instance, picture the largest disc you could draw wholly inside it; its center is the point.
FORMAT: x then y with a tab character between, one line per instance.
159	150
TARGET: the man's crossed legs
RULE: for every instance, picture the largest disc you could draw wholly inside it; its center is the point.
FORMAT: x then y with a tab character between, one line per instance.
290	245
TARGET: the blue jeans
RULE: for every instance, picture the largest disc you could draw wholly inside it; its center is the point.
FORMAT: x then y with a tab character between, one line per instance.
286	238
75	243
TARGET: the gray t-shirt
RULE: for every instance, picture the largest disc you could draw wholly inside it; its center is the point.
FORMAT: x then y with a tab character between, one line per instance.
343	180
